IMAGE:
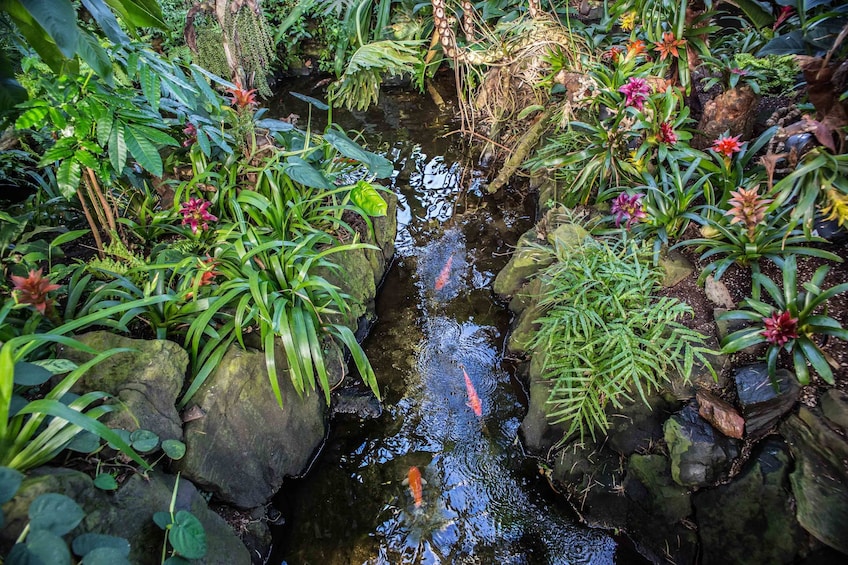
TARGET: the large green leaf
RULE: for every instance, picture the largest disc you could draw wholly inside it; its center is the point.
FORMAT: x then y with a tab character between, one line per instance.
55	513
105	556
68	177
151	85
118	146
10	482
28	374
304	173
95	56
139	13
143	150
41	547
107	21
365	195
59	19
187	536
377	164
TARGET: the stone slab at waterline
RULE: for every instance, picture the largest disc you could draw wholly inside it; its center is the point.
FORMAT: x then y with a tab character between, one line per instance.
245	445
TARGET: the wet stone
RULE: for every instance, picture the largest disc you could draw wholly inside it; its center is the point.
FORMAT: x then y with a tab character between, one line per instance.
699	456
750	519
763	405
834	404
637	426
722	415
820	479
357	404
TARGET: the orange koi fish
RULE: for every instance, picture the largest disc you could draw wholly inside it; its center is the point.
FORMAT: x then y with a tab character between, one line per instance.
473	400
444	276
414	481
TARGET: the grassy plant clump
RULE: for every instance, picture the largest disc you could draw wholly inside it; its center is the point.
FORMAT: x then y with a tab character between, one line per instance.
606	334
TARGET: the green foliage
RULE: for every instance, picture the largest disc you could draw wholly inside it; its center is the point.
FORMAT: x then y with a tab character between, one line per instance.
359	85
779	74
51	516
183	532
810	323
605	335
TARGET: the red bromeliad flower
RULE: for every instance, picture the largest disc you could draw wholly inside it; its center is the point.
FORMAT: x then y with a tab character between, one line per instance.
785	11
33	290
636	91
727	145
242	98
780	328
196	215
635	48
667	133
628	207
207	277
614	53
191	135
669	46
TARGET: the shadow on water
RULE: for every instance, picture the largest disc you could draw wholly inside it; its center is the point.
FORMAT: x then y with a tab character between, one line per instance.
483	500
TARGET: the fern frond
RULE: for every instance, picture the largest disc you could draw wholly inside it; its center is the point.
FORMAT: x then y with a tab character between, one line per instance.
359	86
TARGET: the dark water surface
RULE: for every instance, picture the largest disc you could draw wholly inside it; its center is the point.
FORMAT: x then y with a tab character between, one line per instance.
484	500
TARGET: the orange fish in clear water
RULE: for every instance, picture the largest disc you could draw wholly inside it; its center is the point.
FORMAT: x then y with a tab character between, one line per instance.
414	481
444	276
473	400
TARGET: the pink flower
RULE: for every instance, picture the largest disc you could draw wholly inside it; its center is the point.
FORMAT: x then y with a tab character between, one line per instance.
196	215
780	328
636	92
33	290
667	133
191	134
727	145
627	207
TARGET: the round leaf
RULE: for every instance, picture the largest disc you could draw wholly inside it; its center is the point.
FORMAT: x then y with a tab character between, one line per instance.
84	442
10	482
105	556
162	519
84	544
174	448
187	536
55	513
105	481
29	374
48	547
123	434
368	199
144	440
176	560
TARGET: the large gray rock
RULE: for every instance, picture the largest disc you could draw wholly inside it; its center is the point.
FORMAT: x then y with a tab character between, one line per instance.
820	478
146	381
539	435
657	511
699	456
637	426
247	444
750	519
128	513
524	263
763	405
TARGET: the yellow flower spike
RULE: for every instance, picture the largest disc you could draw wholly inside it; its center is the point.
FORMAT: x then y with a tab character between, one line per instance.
628	21
638	164
837	209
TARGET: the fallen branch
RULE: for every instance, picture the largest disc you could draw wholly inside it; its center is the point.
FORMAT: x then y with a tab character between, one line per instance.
521	152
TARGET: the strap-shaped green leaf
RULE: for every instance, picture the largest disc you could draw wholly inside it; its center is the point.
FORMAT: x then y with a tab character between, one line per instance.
143	151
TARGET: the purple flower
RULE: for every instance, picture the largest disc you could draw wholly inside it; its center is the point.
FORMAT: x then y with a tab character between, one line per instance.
636	91
195	214
627	207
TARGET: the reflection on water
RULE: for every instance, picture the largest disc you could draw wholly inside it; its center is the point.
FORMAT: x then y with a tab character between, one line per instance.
482	501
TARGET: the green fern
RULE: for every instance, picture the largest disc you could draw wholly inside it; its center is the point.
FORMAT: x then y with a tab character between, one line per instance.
605	335
117	259
359	86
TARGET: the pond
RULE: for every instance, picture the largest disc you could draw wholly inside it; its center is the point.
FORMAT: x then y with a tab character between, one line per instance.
438	341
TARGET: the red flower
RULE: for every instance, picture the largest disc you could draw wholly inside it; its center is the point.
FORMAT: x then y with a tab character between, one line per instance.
614	53
209	273
195	214
634	49
191	134
241	97
727	145
667	133
636	91
33	290
669	45
785	11
780	328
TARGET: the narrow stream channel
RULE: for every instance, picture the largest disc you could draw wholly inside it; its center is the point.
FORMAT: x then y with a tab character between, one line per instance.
484	500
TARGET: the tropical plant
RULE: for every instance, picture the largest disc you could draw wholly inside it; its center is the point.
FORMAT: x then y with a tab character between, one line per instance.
605	334
795	322
51	516
729	73
819	177
184	533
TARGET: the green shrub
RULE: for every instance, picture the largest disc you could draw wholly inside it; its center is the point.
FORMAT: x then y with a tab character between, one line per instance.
606	334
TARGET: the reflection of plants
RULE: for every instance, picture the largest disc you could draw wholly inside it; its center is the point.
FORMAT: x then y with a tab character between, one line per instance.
51	516
605	335
794	322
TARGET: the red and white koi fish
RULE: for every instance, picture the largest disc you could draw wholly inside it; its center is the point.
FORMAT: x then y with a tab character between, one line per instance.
444	276
473	400
414	481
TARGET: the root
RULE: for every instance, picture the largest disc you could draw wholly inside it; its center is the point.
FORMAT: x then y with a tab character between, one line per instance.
522	150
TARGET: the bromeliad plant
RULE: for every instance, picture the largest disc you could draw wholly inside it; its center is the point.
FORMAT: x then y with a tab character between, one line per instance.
796	322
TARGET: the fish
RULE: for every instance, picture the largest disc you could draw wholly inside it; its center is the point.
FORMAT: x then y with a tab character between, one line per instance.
414	481
444	276
473	400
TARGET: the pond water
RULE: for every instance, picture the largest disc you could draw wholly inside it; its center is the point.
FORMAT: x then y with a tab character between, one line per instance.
482	499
